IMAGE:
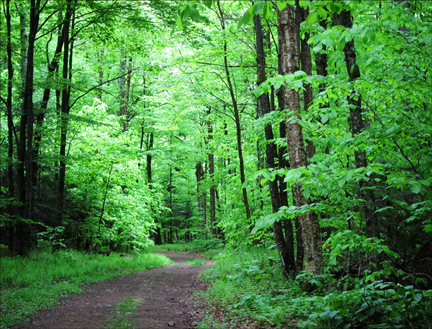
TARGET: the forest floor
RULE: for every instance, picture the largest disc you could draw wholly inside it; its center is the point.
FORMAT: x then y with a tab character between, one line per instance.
162	299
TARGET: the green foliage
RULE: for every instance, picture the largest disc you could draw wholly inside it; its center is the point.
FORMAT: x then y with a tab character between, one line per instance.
249	286
206	245
248	283
30	284
376	305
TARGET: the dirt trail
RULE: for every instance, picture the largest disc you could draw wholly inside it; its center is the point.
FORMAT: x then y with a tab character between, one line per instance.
164	292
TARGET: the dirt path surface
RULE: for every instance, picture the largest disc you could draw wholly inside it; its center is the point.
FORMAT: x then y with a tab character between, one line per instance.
164	293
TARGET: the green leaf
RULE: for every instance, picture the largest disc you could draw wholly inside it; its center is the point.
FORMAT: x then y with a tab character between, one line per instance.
415	189
281	4
245	19
303	3
342	181
179	23
312	18
208	3
258	7
194	14
265	87
322	12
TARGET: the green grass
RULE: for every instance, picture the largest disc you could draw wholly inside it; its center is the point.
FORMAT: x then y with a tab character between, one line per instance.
124	314
195	262
39	281
177	247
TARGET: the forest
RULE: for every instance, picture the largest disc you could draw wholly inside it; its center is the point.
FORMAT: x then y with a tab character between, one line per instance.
301	130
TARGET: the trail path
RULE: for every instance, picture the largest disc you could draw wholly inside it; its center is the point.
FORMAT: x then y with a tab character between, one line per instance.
164	292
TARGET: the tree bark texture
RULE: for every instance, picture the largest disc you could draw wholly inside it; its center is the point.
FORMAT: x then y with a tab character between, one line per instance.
286	250
311	231
284	163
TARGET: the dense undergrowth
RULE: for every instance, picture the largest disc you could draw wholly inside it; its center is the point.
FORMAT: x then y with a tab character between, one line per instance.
248	286
39	281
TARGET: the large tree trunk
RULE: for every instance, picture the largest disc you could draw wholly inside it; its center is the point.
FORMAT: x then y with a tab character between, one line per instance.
286	251
357	126
284	163
297	151
236	117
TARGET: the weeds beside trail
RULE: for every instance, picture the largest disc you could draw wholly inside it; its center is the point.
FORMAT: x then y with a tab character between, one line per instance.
39	281
248	289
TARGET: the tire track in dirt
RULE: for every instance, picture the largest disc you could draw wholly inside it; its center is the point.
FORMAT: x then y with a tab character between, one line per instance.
164	292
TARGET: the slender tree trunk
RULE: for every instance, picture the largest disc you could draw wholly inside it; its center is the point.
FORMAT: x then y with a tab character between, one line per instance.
211	175
23	120
199	174
297	151
11	182
306	66
126	93
357	126
286	252
236	117
9	102
65	98
40	116
101	57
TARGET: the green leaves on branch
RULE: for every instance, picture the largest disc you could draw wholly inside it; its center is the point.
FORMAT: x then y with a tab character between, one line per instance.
190	10
293	81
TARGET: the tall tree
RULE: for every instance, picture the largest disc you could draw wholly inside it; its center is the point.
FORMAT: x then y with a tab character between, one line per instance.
285	244
236	113
65	105
357	125
311	231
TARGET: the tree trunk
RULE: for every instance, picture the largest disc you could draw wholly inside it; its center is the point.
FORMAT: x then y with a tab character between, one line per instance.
236	117
11	183
199	174
357	126
65	97
211	176
306	66
284	163
40	117
101	57
9	102
23	125
297	151
286	251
